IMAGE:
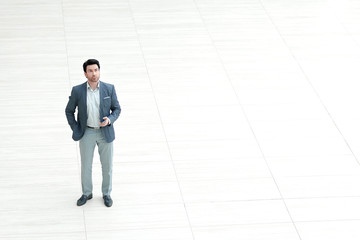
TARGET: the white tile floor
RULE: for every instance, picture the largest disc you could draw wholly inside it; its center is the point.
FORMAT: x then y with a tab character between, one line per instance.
240	119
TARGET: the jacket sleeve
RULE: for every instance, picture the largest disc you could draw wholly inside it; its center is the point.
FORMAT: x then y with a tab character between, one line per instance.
70	109
115	107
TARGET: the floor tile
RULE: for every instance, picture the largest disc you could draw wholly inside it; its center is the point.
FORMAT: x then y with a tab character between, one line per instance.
242	212
120	217
314	166
215	149
251	232
334	230
138	234
229	190
324	209
221	168
319	186
38	221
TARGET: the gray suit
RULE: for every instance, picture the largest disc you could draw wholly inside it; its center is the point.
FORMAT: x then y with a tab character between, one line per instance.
89	138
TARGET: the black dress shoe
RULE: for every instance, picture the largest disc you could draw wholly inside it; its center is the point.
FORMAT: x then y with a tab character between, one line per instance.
107	200
83	199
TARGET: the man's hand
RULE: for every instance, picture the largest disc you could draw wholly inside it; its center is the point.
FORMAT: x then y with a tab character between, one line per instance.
105	122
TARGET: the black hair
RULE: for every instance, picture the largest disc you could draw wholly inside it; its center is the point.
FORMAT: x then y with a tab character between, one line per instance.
90	62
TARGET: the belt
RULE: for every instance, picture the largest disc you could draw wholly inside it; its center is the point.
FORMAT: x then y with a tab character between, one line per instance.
94	127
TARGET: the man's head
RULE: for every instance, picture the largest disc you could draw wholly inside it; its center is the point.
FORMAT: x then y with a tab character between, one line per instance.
92	70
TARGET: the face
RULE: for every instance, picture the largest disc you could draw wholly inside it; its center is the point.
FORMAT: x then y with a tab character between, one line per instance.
92	73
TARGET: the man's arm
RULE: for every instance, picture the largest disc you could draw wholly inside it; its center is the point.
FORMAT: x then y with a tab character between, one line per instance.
115	107
70	109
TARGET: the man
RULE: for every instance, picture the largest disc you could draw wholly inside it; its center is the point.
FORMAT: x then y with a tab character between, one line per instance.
98	109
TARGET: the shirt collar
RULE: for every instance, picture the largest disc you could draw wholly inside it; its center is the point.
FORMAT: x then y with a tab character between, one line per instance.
97	87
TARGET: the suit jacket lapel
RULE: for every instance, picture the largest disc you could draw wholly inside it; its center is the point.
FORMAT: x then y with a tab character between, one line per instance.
84	97
102	95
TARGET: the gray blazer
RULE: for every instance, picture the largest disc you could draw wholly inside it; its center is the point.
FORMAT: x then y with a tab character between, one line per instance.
109	107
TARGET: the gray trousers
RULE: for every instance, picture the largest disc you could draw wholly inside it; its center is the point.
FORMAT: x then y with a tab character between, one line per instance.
91	138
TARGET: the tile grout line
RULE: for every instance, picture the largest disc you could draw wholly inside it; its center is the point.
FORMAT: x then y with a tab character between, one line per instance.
310	83
246	117
65	43
68	71
161	121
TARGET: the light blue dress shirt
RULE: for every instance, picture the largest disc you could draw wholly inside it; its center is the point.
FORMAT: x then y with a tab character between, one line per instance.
93	106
